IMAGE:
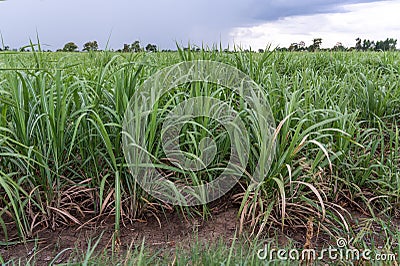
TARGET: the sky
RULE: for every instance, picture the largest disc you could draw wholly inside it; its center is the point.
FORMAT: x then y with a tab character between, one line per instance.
247	23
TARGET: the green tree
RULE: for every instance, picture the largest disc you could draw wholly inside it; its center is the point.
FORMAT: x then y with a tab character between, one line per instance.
151	48
392	43
91	46
294	47
339	47
135	47
126	49
368	45
386	45
358	44
70	47
316	44
301	46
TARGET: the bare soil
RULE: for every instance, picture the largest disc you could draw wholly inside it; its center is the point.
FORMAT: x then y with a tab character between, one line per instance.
162	234
166	232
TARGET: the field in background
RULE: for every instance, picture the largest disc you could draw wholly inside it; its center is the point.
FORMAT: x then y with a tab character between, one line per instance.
337	153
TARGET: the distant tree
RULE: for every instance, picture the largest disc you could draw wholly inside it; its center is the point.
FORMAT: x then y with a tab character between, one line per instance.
261	51
339	47
281	49
135	47
70	47
151	48
316	44
301	46
91	46
126	49
294	47
380	46
392	43
358	44
368	45
386	45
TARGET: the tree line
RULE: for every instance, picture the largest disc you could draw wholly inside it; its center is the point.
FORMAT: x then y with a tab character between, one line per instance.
92	46
361	45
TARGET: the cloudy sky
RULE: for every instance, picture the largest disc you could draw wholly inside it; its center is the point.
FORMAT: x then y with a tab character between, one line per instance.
254	23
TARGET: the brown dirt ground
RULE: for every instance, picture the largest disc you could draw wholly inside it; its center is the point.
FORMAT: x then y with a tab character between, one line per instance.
172	229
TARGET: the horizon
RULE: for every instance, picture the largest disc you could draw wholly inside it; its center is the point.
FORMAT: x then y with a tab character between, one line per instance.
254	24
194	47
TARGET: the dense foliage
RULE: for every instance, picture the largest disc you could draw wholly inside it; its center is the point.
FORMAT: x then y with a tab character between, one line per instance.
61	159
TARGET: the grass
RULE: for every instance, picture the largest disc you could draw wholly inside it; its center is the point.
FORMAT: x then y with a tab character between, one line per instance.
62	160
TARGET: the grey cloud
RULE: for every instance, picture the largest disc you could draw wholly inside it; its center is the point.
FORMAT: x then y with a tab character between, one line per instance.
273	10
158	21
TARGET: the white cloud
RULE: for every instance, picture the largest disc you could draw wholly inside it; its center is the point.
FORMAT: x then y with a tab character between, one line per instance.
375	21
